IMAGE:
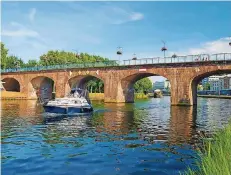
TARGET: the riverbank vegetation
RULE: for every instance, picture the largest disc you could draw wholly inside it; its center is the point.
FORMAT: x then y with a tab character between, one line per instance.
143	85
215	155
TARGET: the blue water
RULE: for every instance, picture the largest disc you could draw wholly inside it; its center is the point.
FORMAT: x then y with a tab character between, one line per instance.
147	137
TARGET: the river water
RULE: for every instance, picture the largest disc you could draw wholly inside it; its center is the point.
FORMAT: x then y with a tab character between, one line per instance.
147	137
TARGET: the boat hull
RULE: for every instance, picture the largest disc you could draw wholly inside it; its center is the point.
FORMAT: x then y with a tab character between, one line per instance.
67	110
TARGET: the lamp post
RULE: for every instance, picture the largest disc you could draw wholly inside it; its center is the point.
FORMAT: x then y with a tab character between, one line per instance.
174	55
119	52
134	57
164	49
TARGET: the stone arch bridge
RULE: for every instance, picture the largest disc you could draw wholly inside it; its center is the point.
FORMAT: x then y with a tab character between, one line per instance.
183	76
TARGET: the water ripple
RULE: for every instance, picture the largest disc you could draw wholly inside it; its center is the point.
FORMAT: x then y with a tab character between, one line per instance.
147	137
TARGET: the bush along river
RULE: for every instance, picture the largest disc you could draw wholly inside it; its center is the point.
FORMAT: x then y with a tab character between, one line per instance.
147	137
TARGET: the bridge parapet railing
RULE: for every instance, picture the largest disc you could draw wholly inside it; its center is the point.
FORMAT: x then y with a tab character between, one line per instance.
143	61
218	57
179	59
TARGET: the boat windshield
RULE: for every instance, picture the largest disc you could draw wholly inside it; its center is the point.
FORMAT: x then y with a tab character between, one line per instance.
79	93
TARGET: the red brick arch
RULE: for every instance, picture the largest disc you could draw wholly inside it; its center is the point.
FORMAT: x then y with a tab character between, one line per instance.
199	76
81	80
52	77
11	82
128	81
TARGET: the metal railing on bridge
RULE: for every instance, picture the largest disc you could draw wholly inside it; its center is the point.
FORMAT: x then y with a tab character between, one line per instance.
180	59
143	61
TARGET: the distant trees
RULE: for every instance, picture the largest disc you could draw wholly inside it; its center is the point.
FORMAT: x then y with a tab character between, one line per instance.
199	87
143	85
54	57
9	61
31	63
4	53
206	86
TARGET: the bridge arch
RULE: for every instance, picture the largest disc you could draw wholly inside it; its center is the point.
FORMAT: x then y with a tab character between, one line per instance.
81	81
42	86
11	84
127	84
198	78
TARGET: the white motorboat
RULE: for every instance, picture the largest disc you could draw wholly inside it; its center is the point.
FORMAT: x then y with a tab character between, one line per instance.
76	102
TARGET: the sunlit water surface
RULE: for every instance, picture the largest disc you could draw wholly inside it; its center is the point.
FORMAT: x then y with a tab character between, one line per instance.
147	137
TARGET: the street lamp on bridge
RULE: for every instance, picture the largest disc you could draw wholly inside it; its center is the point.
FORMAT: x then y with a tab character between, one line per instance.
164	49
174	55
134	57
119	52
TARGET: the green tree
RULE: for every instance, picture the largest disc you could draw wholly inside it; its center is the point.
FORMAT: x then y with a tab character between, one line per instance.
54	57
7	61
91	85
206	86
13	62
199	87
4	53
143	85
100	86
95	85
31	63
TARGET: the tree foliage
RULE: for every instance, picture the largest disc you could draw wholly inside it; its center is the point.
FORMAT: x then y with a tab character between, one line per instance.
206	86
4	53
31	63
61	57
143	85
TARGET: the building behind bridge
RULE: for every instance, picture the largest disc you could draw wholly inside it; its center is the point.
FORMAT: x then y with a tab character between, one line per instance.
162	85
218	82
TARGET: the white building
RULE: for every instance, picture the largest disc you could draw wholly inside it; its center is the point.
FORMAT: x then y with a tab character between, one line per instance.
226	82
162	85
215	83
158	85
219	82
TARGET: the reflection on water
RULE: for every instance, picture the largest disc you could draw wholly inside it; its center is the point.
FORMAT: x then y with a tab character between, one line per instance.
148	136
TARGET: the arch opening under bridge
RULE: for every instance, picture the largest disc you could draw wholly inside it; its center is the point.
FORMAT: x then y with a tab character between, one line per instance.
92	83
43	87
127	85
11	84
197	84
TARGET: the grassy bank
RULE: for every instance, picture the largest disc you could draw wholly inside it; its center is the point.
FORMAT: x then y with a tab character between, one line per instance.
141	96
100	96
96	96
215	155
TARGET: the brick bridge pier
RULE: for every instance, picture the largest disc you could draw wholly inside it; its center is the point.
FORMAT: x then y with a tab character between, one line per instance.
119	80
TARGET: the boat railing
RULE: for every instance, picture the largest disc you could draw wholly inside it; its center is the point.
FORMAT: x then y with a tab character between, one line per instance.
79	93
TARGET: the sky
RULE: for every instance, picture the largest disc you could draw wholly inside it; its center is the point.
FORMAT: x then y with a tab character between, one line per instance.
30	29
